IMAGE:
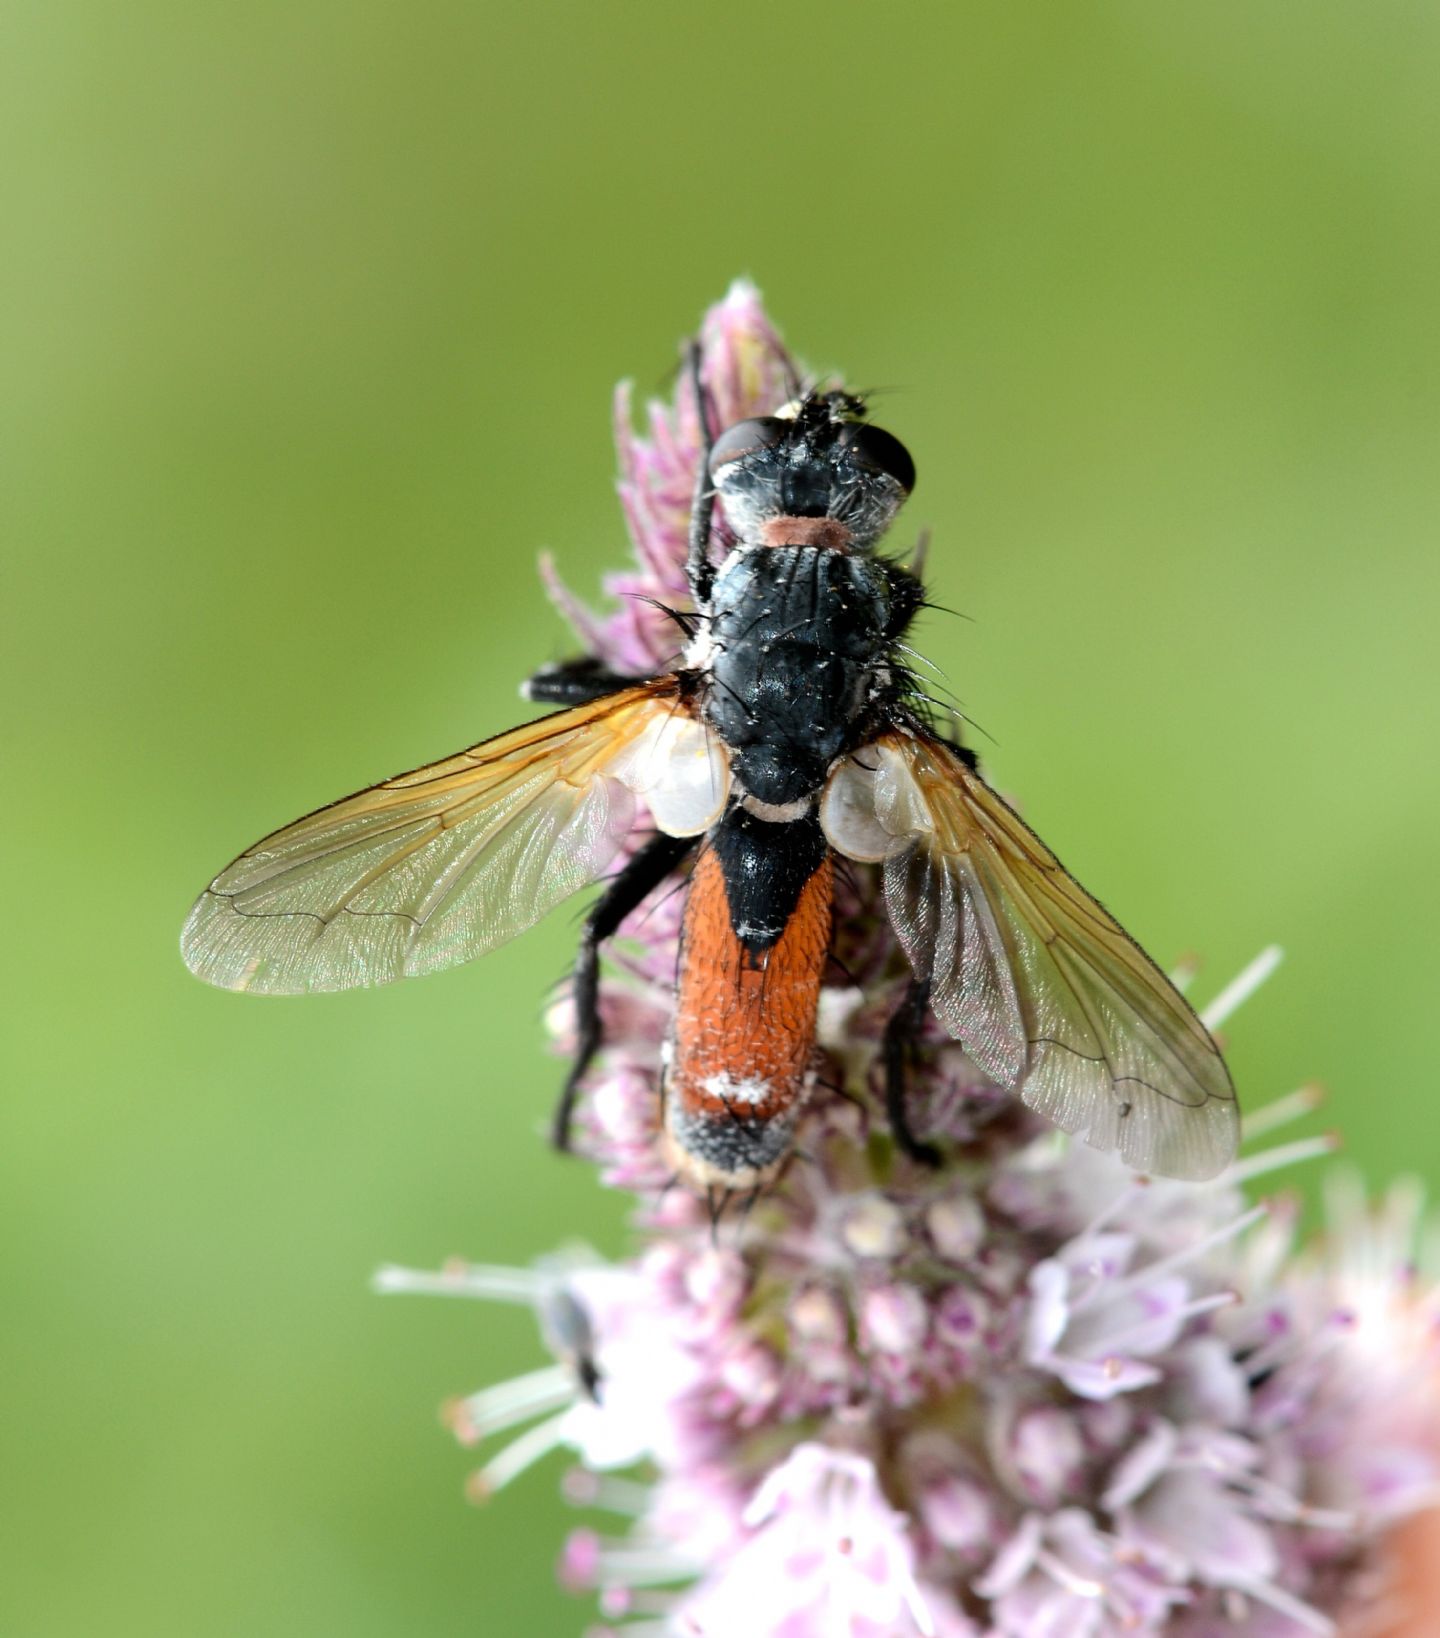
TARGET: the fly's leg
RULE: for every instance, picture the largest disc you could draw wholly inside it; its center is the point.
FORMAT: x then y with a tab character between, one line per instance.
897	1053
577	682
650	866
574	682
699	570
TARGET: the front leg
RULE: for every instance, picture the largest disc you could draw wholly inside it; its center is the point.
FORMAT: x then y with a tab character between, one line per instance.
699	570
641	875
897	1054
575	682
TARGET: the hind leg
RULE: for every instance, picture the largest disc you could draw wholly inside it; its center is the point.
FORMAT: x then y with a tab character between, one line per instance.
660	856
897	1055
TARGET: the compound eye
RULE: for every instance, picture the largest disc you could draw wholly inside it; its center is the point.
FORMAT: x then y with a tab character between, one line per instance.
747	438
880	451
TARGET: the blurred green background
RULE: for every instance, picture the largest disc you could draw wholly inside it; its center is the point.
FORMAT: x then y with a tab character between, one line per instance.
310	317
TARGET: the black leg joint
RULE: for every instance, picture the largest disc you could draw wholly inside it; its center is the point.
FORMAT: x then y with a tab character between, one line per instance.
659	857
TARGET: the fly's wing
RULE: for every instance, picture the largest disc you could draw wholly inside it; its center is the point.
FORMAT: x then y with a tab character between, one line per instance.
435	867
1048	994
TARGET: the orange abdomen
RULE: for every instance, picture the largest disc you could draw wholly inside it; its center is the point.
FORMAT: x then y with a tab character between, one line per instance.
744	1033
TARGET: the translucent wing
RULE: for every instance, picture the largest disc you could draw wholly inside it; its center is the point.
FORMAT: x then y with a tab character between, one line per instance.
1047	992
437	866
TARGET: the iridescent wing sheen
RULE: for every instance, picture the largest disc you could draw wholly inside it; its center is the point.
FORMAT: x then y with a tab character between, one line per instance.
1048	994
434	867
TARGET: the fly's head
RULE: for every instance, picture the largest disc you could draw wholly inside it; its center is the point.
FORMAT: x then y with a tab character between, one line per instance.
814	474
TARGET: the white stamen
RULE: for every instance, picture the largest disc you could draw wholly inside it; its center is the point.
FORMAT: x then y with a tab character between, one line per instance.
1240	988
1402	1212
1199	1305
644	1566
1278	1599
1272	1244
517	1285
507	1403
1275	1502
585	1488
1304	1100
648	1603
1111	1210
1142	1277
1290	1349
518	1455
1286	1154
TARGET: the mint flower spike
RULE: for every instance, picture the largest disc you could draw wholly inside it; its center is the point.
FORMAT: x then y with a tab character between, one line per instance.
1026	1395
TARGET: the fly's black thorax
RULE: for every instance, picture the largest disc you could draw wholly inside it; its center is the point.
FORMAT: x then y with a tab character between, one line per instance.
798	636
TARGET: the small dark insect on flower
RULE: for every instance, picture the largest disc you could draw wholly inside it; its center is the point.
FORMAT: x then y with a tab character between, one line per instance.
789	730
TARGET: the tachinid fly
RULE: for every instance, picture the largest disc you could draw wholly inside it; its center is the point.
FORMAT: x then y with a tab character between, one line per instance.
788	732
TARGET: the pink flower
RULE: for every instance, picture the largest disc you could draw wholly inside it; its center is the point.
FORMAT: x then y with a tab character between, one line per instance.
1025	1395
828	1555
